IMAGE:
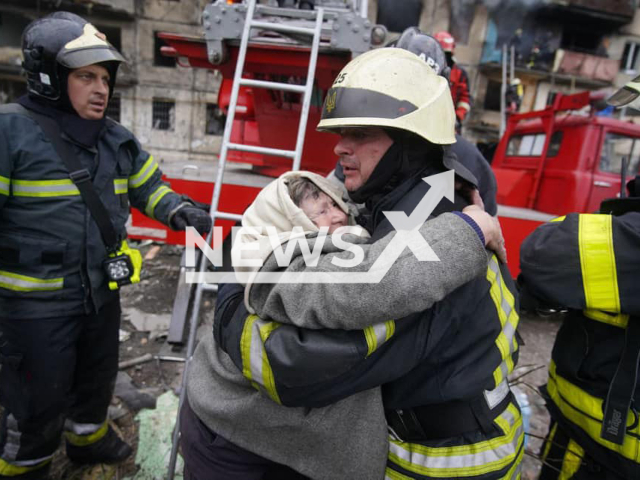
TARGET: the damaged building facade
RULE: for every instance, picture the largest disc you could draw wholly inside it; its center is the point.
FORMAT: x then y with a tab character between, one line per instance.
171	110
559	46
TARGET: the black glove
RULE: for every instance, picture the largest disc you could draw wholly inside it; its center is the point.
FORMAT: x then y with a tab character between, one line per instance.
190	216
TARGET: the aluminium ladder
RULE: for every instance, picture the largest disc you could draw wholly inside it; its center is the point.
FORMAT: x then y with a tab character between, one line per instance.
295	155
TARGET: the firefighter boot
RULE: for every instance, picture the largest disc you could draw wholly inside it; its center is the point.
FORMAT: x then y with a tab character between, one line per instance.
109	449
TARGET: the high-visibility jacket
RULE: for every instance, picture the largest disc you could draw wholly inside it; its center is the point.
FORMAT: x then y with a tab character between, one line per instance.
51	250
589	263
461	349
459	82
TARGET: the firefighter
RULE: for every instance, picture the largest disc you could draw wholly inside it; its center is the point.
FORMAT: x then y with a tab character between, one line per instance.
587	265
67	175
513	96
443	367
458	79
429	49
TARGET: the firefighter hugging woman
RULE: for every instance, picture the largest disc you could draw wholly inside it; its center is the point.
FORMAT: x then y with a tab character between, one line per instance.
405	378
67	177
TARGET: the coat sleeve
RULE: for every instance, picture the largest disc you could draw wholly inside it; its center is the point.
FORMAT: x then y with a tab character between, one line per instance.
461	257
5	167
585	261
313	368
463	102
147	192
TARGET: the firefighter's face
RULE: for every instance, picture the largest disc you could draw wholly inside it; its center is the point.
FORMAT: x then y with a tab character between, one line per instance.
360	150
88	90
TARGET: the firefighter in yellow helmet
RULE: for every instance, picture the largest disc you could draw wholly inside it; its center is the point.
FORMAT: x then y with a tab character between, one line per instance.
67	176
442	362
587	265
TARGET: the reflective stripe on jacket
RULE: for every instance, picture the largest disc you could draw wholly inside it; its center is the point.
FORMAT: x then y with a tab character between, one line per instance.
589	263
50	247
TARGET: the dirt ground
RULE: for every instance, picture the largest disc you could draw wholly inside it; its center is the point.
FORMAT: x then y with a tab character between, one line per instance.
154	296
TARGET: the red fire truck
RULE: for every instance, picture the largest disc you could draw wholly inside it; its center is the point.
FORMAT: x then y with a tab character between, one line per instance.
564	158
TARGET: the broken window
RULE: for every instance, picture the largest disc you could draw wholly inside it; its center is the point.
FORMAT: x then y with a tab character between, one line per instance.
113	109
159	60
163	114
113	35
215	120
492	97
629	62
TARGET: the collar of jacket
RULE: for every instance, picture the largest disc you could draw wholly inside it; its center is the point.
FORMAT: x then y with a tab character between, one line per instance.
82	131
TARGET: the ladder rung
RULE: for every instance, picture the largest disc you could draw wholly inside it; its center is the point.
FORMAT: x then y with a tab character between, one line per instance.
228	216
280	27
288	87
268	151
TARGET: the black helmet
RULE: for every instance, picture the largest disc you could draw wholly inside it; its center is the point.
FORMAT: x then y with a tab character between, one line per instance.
426	47
66	40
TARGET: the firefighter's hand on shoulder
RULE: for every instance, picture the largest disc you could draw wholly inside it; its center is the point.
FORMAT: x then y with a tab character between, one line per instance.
491	230
189	215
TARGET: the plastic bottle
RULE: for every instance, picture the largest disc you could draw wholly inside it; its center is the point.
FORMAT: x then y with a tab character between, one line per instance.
525	409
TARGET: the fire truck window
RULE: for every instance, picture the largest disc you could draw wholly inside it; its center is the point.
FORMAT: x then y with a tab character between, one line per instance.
532	145
164	114
615	148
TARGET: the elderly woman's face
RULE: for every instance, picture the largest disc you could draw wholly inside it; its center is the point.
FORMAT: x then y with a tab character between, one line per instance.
324	212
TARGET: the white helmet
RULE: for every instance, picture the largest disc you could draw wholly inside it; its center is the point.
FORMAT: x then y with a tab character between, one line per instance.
393	88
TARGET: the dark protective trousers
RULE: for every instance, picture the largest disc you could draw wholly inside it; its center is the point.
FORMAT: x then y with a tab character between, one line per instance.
564	458
208	456
54	369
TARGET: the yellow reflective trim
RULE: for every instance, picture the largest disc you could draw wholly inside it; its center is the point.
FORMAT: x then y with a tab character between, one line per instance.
559	219
500	294
598	262
549	441
253	355
11	470
571	461
44	188
585	411
245	346
84	440
444	458
154	198
23	283
390	474
4	185
268	380
378	334
617	320
140	178
120	185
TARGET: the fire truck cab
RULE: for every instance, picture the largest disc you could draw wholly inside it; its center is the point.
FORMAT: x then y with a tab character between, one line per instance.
565	158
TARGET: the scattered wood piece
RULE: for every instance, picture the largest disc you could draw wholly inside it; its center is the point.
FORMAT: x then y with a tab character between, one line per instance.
153	251
147	357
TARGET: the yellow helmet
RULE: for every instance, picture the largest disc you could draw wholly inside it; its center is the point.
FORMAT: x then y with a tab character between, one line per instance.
626	94
394	88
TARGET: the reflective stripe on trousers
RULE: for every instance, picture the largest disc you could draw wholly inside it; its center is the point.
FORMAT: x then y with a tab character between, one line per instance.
501	454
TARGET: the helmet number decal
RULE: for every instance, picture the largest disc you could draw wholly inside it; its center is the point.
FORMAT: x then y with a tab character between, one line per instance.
340	78
431	62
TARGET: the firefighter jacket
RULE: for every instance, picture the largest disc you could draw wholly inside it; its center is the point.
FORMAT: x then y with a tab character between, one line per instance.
459	81
349	438
51	250
461	348
589	264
